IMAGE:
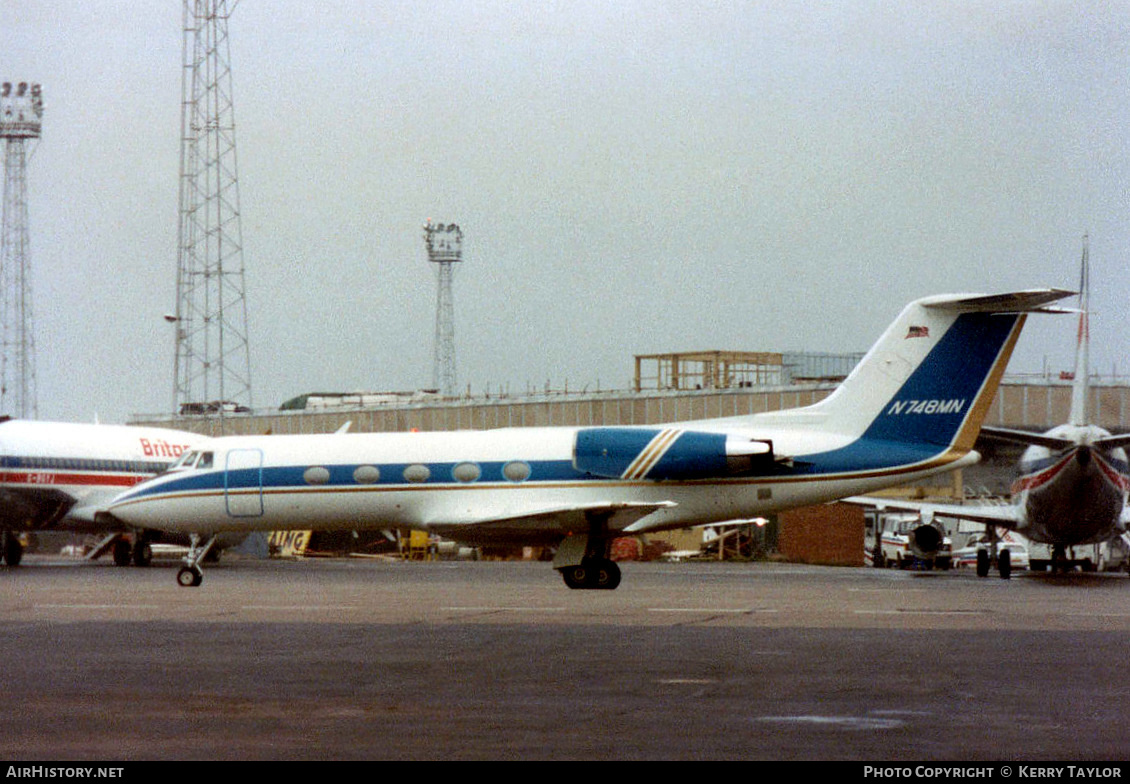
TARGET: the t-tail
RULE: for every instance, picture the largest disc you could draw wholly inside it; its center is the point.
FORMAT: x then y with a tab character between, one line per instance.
928	382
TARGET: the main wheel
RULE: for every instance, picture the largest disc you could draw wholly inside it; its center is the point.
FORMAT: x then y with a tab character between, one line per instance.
575	576
142	553
1004	563
606	575
122	552
983	563
13	551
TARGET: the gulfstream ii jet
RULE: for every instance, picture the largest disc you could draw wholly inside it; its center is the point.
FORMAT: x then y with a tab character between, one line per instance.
910	409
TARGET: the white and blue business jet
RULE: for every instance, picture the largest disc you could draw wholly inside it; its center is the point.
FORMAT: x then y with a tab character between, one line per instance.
911	408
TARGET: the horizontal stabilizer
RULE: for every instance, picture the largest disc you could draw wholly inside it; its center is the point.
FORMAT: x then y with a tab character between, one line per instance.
1028	301
1025	437
1052	442
1113	442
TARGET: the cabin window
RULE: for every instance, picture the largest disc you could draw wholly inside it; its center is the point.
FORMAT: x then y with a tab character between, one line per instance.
516	471
417	473
316	475
466	472
366	475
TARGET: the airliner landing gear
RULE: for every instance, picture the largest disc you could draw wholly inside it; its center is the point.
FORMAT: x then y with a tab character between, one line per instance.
142	552
1059	563
139	552
190	575
985	564
122	552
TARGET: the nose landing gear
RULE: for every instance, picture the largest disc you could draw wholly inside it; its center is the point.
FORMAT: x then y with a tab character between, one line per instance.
191	575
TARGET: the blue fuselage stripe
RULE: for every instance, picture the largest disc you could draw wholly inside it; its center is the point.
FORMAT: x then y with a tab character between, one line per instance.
541	471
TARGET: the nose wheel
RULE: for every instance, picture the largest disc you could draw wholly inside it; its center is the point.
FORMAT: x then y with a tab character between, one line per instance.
191	575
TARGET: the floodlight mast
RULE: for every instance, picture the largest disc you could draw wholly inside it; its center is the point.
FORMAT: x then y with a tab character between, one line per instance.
21	121
445	250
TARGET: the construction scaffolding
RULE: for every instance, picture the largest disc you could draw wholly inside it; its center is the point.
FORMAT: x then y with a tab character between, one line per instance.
698	370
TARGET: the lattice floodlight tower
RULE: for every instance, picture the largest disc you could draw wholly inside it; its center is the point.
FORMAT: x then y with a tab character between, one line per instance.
445	249
212	358
21	120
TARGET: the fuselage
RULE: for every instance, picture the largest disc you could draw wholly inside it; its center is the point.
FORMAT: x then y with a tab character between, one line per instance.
1072	496
491	485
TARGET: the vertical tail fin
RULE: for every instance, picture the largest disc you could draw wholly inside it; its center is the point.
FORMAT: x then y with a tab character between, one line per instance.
930	378
1080	385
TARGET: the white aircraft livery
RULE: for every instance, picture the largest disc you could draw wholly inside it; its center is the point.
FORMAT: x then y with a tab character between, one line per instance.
55	475
1073	481
911	408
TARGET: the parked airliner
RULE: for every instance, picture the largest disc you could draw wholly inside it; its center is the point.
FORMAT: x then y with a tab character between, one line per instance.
1073	479
910	409
55	475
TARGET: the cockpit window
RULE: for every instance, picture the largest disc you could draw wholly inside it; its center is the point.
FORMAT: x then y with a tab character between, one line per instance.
205	460
186	460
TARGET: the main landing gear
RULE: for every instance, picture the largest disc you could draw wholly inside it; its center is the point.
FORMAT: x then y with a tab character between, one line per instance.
599	573
993	555
1060	563
191	575
1004	563
139	553
583	559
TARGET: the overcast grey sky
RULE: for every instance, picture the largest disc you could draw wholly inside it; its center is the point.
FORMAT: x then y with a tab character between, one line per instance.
631	177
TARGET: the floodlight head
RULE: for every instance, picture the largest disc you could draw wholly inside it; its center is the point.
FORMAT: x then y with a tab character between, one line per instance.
21	111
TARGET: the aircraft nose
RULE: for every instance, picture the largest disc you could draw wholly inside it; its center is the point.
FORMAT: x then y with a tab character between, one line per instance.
1083	455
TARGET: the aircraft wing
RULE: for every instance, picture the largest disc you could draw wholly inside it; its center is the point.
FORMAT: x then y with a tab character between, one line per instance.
1005	516
553	521
27	508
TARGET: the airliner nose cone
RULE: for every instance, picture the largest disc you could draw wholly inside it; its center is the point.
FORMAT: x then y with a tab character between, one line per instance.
1083	455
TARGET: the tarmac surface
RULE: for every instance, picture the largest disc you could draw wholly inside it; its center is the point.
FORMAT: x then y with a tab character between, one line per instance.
379	660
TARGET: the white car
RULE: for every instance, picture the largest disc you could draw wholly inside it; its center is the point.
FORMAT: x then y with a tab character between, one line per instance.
967	556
